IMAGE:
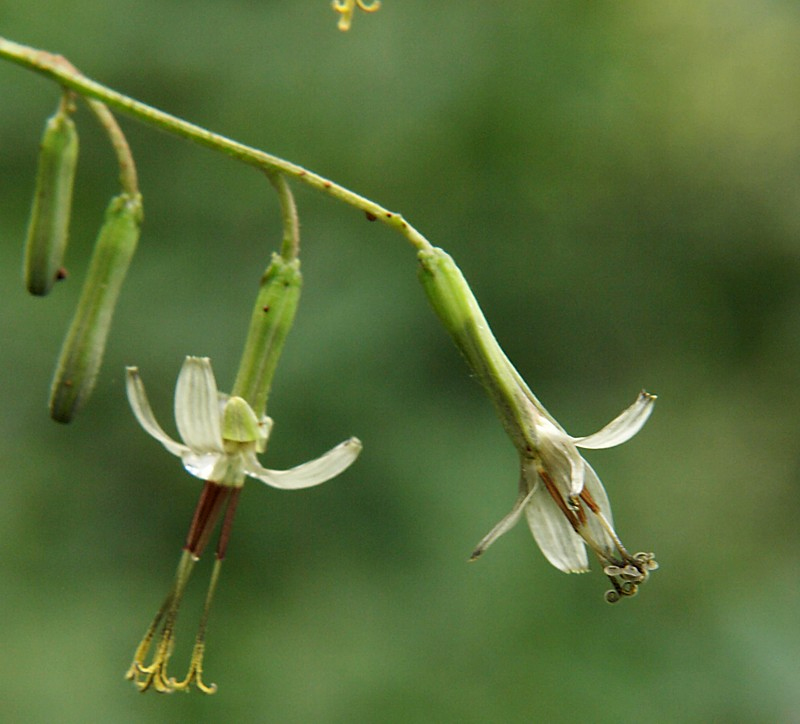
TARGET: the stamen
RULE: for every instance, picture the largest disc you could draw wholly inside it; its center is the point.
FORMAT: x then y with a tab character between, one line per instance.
205	517
195	673
155	675
347	7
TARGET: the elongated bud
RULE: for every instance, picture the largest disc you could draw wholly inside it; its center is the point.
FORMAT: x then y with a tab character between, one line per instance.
271	321
458	310
82	352
48	226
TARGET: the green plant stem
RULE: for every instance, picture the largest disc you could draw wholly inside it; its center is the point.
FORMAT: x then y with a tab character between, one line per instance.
290	244
127	168
60	70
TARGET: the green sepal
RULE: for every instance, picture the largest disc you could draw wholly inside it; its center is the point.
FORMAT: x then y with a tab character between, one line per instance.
48	227
82	351
270	323
456	307
239	422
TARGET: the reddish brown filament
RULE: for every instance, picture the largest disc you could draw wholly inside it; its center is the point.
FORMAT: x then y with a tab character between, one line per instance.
205	517
569	514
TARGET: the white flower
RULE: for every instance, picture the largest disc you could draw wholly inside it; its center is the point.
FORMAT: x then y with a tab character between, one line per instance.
566	505
561	496
221	434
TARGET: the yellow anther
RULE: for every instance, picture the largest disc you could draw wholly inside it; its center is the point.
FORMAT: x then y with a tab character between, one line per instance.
347	7
195	673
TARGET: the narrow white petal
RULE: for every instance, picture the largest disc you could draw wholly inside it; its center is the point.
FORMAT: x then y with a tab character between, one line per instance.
561	459
600	527
505	525
311	473
621	428
595	488
197	409
561	545
144	414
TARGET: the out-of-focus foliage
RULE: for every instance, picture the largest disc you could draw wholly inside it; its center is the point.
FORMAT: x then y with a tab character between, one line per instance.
620	182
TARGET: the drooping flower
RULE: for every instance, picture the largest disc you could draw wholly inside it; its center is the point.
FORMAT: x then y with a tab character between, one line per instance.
221	436
559	492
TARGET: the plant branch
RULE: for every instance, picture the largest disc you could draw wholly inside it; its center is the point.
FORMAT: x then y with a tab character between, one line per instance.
60	70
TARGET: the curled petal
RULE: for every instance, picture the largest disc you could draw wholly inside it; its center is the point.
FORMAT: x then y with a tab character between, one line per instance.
311	473
197	411
621	428
505	525
561	545
144	413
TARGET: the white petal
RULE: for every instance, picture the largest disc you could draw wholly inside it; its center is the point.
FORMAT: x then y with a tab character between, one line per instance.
595	488
197	409
144	414
311	473
505	525
206	466
560	458
621	428
603	539
561	545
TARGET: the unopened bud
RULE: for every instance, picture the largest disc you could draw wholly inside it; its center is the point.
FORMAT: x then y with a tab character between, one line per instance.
48	227
85	343
270	323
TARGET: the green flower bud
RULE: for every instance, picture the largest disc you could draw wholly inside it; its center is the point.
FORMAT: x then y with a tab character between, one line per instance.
48	227
82	352
458	310
271	321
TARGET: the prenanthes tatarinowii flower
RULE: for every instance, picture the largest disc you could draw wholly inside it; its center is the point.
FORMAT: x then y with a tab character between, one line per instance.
346	8
221	436
559	493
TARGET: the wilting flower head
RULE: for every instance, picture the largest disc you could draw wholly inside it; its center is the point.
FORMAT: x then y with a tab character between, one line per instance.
566	505
221	434
559	493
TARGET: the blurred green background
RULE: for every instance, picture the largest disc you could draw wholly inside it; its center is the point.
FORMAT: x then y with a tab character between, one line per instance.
620	182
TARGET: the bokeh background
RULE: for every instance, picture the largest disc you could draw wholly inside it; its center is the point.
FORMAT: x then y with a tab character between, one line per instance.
619	181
